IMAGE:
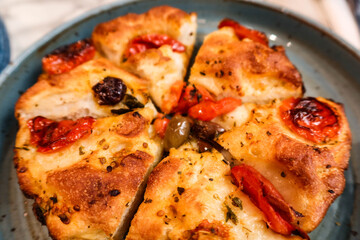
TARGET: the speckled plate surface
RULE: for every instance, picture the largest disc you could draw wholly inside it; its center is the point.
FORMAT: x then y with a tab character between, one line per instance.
4	46
330	68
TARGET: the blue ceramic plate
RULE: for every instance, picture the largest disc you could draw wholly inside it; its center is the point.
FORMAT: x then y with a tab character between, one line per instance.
4	47
330	68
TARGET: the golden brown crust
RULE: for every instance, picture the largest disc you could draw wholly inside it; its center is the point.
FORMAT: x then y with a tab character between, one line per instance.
161	67
213	229
69	95
86	189
89	189
111	38
188	197
99	196
162	179
132	125
244	69
310	176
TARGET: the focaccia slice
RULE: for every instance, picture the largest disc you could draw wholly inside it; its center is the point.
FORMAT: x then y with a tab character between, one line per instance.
70	95
308	174
86	182
163	67
91	188
253	72
191	196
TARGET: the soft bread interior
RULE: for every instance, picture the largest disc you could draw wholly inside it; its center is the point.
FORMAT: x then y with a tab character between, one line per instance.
162	67
70	95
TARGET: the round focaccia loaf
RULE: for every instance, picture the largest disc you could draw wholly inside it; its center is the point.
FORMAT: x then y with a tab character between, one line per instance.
245	69
190	195
91	188
70	95
162	67
309	175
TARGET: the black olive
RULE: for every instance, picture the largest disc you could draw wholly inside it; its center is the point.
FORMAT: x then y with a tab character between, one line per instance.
131	102
206	130
203	146
110	91
177	132
120	111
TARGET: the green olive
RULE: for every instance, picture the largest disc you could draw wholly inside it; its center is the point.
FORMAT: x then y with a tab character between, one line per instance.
177	132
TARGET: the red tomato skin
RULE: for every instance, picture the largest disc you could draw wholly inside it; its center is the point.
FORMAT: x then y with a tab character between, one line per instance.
50	136
192	95
208	110
310	118
243	32
253	183
160	125
148	41
66	58
171	99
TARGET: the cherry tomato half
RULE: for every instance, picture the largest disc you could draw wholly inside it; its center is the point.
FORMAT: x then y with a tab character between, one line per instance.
310	118
243	32
50	135
68	57
144	42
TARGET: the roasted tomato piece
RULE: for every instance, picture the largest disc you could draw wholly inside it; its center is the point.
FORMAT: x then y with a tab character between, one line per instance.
208	110
160	124
68	57
265	196
243	32
207	228
50	135
144	42
190	96
310	118
171	100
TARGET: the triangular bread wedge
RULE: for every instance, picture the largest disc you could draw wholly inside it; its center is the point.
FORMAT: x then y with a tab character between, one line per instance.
229	67
163	68
189	196
90	188
309	175
70	95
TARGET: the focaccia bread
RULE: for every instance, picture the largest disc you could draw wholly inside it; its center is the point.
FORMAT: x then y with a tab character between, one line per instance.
253	72
91	188
85	166
191	196
70	95
246	157
163	66
309	175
